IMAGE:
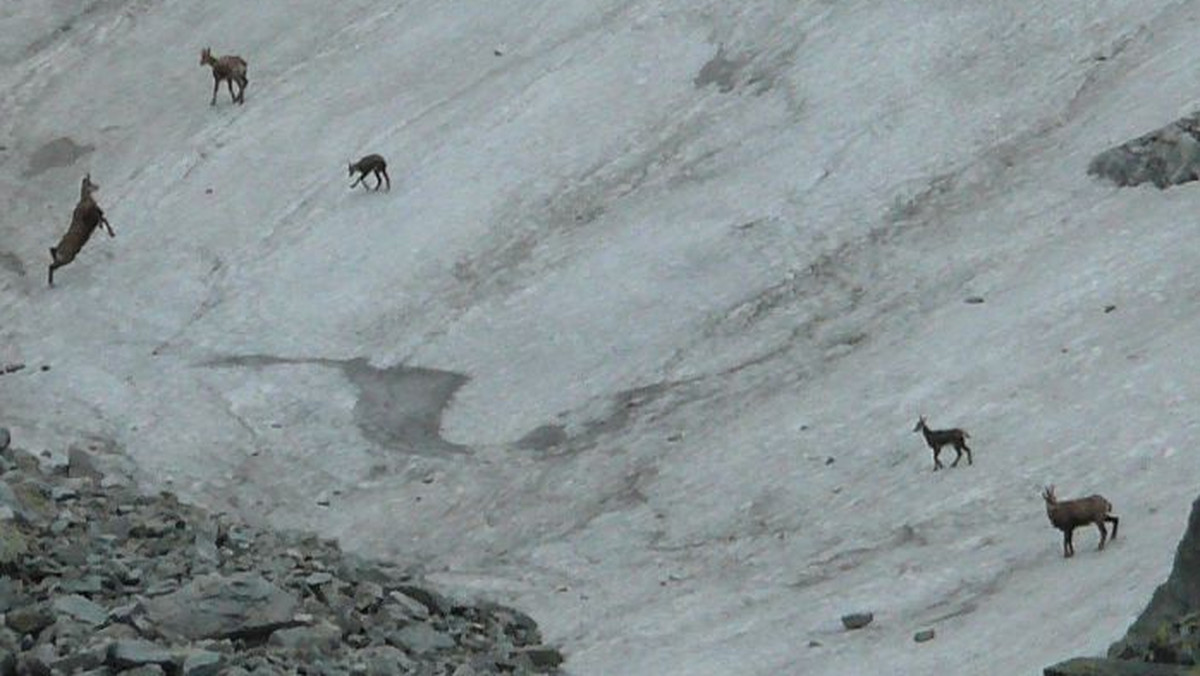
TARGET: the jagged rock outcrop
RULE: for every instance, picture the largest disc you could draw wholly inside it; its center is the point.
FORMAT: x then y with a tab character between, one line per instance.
1165	638
1165	157
1089	666
97	578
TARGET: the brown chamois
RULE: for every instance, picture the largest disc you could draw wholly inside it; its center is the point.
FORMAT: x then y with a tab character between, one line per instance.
1068	515
84	219
229	68
938	438
371	164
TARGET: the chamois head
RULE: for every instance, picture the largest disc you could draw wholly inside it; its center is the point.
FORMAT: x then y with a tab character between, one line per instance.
206	56
1048	495
350	169
920	424
86	187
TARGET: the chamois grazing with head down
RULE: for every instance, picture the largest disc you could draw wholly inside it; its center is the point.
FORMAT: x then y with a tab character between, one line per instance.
370	164
84	220
936	439
228	68
1067	515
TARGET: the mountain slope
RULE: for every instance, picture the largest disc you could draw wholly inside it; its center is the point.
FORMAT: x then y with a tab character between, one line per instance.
646	267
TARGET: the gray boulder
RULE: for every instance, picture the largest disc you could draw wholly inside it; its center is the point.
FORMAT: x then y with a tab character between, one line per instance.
14	544
37	661
433	601
82	465
420	639
543	658
320	638
81	609
80	659
133	653
244	605
29	619
202	663
403	606
857	620
385	661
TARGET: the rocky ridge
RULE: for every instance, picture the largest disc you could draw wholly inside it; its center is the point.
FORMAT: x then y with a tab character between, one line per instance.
98	578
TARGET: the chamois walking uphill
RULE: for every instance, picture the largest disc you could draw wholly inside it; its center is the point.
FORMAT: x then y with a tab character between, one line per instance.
84	220
1067	515
229	68
936	439
371	164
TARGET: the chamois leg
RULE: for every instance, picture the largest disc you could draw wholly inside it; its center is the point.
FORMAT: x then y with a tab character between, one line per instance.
1103	534
1115	522
1068	547
229	86
360	178
54	264
967	448
378	179
104	222
937	464
241	95
216	86
387	178
957	456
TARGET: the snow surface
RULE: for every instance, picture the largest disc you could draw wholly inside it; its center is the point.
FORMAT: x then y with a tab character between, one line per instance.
645	267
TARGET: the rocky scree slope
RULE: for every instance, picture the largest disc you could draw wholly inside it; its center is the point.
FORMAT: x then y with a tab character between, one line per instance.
98	578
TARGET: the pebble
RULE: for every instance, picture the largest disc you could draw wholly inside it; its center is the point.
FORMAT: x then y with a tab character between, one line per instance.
857	620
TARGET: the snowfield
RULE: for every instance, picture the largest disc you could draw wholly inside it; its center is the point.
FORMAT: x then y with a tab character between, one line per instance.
637	339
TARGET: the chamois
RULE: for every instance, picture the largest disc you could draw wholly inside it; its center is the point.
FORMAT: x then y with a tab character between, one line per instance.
229	68
370	164
84	219
938	438
1068	515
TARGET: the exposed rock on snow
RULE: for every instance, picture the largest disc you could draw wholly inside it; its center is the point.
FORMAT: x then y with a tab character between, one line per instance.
857	620
1165	157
